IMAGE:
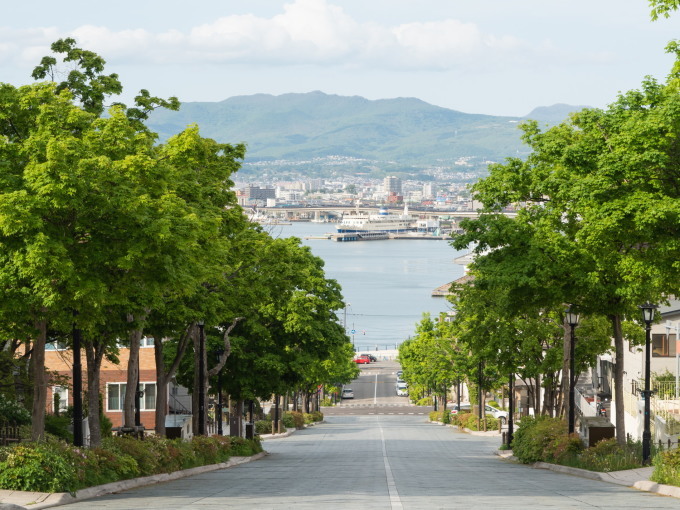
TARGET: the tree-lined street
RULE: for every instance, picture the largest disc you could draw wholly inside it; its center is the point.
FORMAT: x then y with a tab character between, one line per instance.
381	462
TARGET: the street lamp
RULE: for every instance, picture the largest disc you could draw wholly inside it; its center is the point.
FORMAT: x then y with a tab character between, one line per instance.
201	378
648	317
572	319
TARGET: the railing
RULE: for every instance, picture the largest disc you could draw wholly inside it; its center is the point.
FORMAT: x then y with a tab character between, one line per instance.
664	390
9	434
583	405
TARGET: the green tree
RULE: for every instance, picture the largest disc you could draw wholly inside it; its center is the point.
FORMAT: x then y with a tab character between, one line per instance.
598	223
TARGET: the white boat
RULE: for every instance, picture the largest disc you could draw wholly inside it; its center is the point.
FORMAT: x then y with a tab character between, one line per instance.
382	222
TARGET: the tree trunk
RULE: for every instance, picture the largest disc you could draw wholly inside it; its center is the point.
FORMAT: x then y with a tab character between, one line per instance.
161	390
39	382
94	353
135	337
163	376
618	380
564	384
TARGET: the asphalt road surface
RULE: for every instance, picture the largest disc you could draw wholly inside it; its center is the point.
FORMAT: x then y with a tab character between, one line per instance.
381	462
376	460
375	393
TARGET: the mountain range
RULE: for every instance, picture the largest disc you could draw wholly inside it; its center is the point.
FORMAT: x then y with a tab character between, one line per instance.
305	126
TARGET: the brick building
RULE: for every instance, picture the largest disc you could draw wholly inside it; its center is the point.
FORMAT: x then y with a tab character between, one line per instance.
112	382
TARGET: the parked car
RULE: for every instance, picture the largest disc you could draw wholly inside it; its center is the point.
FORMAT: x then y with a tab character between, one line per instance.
497	413
367	356
373	358
400	373
362	361
347	393
402	389
464	408
492	411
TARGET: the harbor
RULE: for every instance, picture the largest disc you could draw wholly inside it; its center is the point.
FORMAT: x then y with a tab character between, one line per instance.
344	237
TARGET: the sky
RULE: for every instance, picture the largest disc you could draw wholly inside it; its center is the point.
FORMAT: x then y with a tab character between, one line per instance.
498	57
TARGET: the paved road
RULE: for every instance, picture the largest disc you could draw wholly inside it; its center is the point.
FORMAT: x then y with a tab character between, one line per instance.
375	392
381	462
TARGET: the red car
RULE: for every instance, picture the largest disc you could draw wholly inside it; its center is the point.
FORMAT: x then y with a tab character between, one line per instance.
360	361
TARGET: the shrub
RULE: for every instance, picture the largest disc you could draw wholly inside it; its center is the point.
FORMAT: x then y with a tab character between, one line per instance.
426	401
59	426
13	412
317	416
263	426
327	402
288	420
37	467
298	419
534	436
446	417
436	415
667	467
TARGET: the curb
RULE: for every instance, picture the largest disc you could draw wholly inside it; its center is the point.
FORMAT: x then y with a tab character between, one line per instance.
481	433
642	485
287	433
659	488
38	500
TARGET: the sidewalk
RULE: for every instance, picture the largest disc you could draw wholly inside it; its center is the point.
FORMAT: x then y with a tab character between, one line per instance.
637	478
18	500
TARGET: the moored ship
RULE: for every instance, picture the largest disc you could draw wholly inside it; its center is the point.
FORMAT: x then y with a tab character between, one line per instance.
358	222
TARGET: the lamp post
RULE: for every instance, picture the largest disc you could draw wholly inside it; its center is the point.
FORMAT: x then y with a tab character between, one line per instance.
648	317
511	408
572	319
201	378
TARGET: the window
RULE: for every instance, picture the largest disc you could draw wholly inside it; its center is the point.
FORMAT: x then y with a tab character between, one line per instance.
116	396
56	345
61	393
663	346
146	341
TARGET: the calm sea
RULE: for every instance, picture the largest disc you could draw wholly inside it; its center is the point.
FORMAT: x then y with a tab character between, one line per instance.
388	284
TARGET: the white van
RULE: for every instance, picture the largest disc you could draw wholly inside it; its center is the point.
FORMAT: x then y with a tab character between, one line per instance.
402	389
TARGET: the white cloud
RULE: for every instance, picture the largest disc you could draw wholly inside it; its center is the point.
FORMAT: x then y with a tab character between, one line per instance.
306	32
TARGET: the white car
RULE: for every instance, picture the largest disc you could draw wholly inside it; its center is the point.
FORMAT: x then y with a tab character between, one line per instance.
347	393
497	413
402	389
492	411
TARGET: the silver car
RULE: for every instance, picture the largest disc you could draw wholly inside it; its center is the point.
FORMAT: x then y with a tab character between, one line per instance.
347	393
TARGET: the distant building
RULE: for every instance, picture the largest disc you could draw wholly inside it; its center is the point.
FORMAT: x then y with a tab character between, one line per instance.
394	198
392	185
253	192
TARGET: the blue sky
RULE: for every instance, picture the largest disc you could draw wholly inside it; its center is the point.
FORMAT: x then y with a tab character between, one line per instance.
501	57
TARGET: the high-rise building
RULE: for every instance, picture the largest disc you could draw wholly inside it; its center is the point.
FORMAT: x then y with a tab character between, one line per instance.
392	184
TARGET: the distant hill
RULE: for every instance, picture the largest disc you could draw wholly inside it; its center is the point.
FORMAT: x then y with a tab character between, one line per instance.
300	127
553	114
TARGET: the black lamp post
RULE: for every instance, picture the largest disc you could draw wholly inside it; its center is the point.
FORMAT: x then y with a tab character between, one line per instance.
648	317
201	378
572	319
511	408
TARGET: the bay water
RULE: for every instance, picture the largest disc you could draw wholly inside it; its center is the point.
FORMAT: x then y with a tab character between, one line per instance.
387	284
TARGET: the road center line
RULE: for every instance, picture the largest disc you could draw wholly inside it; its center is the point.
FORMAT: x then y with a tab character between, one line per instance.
395	500
375	391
